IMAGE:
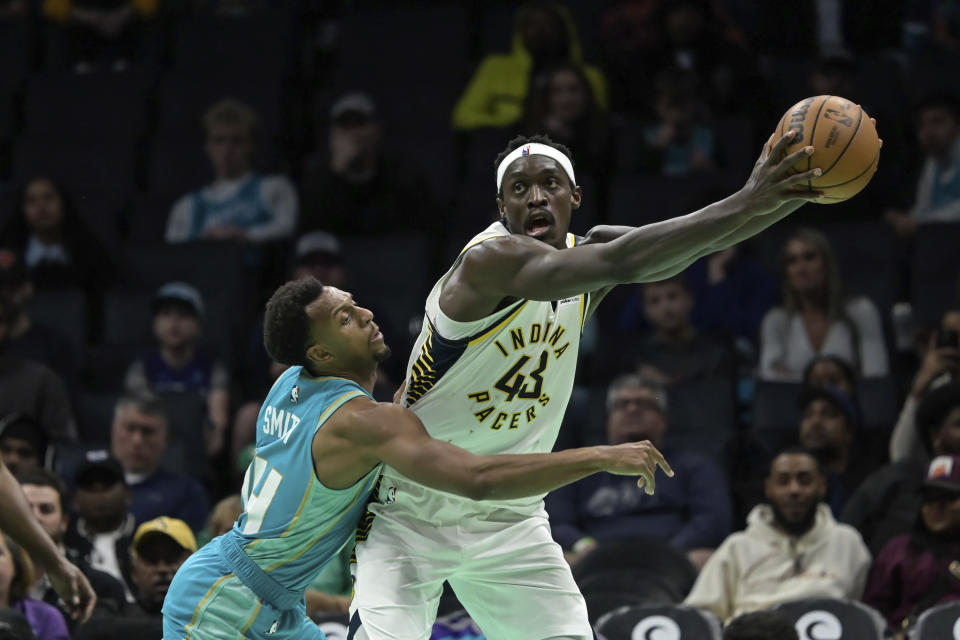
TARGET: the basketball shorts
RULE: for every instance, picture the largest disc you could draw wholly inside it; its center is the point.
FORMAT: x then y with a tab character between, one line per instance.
207	602
503	565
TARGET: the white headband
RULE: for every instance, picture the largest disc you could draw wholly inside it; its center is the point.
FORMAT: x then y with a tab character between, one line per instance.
535	149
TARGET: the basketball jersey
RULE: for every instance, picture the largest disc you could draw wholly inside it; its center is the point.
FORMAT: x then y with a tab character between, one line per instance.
292	525
502	383
243	209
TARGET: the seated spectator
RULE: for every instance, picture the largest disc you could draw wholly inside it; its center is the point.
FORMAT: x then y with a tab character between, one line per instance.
23	444
760	625
359	189
139	441
101	532
886	503
544	34
159	547
179	365
792	548
13	624
938	188
690	511
16	576
100	32
833	372
917	570
27	338
222	518
675	351
678	142
814	318
58	248
240	204
940	365
44	491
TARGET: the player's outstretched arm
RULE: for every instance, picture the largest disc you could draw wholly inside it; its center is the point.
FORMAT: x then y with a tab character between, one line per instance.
16	519
398	438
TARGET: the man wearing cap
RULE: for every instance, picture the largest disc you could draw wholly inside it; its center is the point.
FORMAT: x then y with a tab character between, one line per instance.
357	188
690	511
240	204
921	569
791	549
179	365
23	444
886	503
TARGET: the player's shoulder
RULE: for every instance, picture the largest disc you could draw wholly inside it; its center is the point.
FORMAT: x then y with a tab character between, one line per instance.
364	419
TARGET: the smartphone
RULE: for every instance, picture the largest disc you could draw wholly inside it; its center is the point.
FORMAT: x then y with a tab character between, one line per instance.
948	338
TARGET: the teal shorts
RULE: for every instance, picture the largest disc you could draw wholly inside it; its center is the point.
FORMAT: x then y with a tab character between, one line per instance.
207	602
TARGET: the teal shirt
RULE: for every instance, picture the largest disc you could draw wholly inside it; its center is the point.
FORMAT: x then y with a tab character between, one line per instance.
292	525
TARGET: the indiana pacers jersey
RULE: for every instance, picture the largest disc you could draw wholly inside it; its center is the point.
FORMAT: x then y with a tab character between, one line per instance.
292	525
499	384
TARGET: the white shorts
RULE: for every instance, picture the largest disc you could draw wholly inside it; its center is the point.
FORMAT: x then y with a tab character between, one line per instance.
504	566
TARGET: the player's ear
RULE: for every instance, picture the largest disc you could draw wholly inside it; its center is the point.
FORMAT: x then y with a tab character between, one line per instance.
500	208
576	196
318	353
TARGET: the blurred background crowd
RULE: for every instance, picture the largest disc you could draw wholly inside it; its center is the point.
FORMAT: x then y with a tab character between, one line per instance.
165	164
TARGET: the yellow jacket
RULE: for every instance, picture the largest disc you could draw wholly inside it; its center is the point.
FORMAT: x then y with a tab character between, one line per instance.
495	95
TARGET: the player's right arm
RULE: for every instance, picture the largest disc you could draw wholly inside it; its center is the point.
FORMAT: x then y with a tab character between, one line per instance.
394	435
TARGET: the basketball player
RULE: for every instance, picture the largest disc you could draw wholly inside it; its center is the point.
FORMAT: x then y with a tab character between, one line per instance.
17	520
492	372
320	442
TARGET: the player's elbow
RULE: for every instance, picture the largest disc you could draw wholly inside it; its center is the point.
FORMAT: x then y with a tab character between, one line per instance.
480	486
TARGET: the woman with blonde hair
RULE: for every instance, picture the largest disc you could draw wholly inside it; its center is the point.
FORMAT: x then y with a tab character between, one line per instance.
816	318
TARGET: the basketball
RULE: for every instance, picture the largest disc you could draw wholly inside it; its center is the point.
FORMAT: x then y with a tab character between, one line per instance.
845	143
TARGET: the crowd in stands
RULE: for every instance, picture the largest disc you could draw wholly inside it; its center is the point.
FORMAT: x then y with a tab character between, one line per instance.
166	164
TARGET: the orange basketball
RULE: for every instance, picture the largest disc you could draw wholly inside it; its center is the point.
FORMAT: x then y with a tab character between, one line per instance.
845	144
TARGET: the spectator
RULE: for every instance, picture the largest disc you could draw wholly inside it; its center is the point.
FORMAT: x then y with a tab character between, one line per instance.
23	444
917	570
833	372
792	548
58	248
16	576
678	143
814	317
25	337
240	204
938	189
222	518
44	491
544	34
691	511
760	625
13	624
139	441
886	503
675	351
179	365
100	534
358	188
159	547
940	365
100	32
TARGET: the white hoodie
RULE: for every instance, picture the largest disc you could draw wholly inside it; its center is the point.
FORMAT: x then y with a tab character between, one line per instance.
764	566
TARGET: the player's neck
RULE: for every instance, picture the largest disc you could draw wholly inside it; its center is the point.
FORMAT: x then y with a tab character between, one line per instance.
364	378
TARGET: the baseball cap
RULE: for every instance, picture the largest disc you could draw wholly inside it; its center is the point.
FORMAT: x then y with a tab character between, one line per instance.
179	292
99	466
943	474
12	269
834	396
173	528
355	104
318	246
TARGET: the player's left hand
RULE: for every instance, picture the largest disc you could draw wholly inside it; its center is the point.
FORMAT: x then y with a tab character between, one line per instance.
73	588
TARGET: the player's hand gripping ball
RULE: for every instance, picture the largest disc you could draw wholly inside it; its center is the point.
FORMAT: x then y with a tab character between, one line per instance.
844	140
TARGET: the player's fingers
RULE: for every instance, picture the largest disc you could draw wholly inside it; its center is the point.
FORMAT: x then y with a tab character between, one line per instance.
659	461
790	161
801	177
779	149
651	484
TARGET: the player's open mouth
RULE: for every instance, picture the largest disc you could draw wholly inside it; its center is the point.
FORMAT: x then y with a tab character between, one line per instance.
377	336
538	224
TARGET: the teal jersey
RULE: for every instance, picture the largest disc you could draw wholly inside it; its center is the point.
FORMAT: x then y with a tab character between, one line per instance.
292	525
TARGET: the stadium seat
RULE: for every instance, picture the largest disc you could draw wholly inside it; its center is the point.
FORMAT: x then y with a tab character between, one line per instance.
702	416
819	618
187	415
94	413
261	44
147	223
938	623
880	402
669	623
176	167
65	310
642	586
776	417
935	270
640	554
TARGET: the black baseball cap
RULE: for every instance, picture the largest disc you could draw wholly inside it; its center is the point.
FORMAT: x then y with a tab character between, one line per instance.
837	398
99	466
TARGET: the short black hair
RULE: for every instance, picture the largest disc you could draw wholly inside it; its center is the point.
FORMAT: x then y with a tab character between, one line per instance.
44	478
286	326
540	138
760	625
945	100
933	410
793	450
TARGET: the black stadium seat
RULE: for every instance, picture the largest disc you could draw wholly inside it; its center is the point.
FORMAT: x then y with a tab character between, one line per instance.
819	618
65	310
776	417
667	622
935	270
938	623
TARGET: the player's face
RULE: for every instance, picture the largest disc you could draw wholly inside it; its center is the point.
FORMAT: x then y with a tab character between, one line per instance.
138	439
346	331
794	488
45	503
537	199
42	206
936	131
635	416
230	147
806	271
667	305
824	426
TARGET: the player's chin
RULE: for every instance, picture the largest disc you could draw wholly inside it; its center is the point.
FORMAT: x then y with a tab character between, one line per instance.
381	353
